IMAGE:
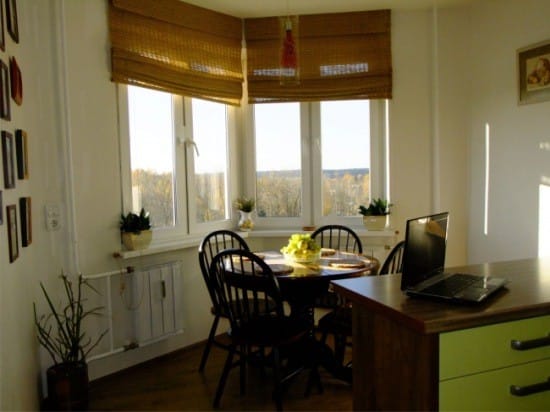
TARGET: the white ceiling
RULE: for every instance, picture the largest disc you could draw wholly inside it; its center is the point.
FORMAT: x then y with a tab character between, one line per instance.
264	8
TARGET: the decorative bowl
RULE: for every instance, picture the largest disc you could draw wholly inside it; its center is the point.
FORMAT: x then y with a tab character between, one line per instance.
311	257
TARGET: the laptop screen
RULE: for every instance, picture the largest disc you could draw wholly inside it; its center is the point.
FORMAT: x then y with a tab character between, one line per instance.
424	254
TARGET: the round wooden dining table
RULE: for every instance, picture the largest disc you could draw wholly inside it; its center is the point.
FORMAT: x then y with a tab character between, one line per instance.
302	283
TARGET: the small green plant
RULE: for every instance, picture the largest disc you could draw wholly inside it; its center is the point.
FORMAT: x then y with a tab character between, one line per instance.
134	223
60	332
377	207
245	204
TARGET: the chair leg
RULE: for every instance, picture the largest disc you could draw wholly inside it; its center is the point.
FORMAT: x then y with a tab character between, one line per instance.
245	353
278	391
223	377
209	343
339	348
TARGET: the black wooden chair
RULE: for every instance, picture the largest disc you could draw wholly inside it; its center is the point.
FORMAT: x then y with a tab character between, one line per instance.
244	282
338	321
338	237
211	245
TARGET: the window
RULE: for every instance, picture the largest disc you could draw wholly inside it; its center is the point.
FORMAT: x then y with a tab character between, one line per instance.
315	163
176	160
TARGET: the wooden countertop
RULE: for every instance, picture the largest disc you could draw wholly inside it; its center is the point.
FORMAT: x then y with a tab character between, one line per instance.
526	295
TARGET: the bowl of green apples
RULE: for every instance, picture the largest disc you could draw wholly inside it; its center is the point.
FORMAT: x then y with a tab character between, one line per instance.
301	248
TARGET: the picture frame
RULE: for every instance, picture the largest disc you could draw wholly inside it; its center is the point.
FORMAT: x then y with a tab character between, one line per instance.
534	73
21	154
4	91
11	19
13	241
26	221
2	35
16	82
7	157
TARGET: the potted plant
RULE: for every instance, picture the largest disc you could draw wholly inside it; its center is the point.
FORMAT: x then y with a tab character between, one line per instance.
245	206
60	332
136	230
376	215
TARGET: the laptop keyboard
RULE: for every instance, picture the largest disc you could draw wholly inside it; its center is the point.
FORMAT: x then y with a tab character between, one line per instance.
453	284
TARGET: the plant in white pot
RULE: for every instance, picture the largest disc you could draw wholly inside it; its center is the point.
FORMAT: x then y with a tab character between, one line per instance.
376	215
61	333
245	206
136	230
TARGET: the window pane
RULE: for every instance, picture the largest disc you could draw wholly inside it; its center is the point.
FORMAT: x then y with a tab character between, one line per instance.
151	154
278	160
210	136
345	156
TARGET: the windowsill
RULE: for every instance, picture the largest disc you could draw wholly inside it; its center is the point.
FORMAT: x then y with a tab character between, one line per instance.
194	241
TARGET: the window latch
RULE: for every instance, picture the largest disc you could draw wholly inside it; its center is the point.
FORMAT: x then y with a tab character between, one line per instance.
191	142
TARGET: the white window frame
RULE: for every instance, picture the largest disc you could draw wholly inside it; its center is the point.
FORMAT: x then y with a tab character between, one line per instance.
184	152
310	114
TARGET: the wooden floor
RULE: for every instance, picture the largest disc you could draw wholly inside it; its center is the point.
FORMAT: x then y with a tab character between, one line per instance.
173	383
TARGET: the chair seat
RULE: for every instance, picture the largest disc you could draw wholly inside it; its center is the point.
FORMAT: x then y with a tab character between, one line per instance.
337	321
270	331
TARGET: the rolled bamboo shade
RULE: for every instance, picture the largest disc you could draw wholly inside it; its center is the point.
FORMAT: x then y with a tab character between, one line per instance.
341	56
176	47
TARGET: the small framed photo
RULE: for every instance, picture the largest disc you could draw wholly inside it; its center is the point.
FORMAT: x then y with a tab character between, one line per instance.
2	36
11	18
4	91
534	73
13	241
26	221
21	154
16	82
7	157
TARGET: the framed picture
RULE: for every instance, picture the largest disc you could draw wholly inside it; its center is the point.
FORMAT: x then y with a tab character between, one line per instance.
2	36
534	73
11	18
16	82
13	241
26	221
4	92
7	157
21	154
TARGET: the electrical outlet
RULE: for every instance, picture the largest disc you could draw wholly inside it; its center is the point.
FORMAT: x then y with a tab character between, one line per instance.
53	217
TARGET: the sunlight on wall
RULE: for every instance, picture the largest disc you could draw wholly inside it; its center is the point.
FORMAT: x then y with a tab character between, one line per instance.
544	217
487	158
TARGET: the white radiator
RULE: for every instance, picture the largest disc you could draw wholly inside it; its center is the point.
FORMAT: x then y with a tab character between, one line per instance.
142	306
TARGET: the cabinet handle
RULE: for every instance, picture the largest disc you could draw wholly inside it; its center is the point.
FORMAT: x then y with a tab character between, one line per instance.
530	344
530	389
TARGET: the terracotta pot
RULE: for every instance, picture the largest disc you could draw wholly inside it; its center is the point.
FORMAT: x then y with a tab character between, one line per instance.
68	386
134	241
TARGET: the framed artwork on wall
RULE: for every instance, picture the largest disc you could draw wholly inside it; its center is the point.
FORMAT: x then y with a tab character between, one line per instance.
21	154
13	241
26	221
16	82
534	73
11	19
7	158
4	91
2	36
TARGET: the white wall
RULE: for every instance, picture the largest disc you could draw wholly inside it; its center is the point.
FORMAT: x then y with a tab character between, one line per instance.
437	118
517	163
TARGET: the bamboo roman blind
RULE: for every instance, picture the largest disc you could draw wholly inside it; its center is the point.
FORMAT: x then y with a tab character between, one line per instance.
176	47
340	56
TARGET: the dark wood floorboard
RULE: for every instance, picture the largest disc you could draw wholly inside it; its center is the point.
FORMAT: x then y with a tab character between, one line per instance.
173	383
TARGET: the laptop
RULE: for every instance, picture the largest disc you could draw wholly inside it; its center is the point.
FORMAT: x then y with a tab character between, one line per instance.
424	260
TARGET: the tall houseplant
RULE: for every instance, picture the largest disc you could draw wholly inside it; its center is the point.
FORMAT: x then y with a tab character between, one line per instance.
61	333
135	230
376	214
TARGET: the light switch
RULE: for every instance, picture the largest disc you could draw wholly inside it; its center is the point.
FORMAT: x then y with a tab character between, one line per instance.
53	217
